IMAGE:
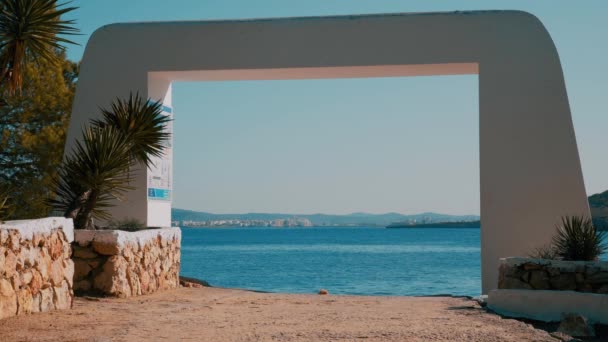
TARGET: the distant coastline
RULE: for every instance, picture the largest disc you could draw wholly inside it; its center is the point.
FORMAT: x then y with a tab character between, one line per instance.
466	224
191	218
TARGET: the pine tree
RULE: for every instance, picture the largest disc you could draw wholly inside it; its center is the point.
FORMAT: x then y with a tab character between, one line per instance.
33	126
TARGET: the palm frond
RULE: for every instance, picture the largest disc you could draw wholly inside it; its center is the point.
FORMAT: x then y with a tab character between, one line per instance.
93	175
143	123
31	30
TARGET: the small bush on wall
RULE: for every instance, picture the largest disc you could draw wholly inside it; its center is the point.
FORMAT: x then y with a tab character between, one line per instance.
577	239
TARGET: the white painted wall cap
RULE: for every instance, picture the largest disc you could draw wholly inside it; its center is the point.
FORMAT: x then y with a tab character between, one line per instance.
27	228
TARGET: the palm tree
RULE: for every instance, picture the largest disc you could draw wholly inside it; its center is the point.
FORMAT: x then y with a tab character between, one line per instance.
30	30
98	170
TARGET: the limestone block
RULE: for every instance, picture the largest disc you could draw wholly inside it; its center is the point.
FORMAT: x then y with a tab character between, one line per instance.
565	281
24	302
36	302
44	265
105	248
539	279
36	283
3	237
62	296
46	300
68	271
83	252
8	299
13	240
57	274
10	264
26	277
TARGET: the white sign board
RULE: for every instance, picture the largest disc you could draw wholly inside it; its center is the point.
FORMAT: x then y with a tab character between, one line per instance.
160	173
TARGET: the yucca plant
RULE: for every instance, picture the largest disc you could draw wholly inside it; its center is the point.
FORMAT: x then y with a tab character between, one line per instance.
140	121
577	239
30	30
99	169
94	174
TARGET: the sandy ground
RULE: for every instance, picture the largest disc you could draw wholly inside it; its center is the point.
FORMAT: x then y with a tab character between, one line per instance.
213	314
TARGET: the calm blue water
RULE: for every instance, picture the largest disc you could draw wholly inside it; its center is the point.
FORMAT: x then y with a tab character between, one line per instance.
360	261
363	261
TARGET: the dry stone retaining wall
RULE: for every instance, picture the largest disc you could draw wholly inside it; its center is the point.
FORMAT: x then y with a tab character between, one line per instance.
541	274
124	264
36	271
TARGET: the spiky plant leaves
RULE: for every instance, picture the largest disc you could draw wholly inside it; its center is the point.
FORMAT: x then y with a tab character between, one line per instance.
545	252
142	122
99	169
93	175
577	239
30	29
127	224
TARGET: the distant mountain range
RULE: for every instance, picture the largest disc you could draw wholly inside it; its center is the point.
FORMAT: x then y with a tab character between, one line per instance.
354	219
598	204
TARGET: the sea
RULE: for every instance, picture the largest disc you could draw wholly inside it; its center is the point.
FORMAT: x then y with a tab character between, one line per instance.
342	260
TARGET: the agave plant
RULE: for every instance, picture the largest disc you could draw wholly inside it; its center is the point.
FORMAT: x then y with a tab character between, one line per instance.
98	170
30	30
577	239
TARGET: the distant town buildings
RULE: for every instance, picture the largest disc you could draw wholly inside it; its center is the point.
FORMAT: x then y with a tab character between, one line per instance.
284	222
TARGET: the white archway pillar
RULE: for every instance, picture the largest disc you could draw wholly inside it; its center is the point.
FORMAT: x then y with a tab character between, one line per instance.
529	164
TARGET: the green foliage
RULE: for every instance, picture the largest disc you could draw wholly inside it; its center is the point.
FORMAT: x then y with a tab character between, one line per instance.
141	123
30	30
98	170
577	239
32	134
93	175
128	224
545	252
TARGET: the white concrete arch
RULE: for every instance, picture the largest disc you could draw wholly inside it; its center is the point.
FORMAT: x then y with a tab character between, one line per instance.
529	164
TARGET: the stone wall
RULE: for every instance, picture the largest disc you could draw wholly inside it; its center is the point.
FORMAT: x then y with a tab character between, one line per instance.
36	271
541	274
124	264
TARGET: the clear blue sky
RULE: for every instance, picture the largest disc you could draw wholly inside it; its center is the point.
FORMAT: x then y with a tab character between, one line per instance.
339	146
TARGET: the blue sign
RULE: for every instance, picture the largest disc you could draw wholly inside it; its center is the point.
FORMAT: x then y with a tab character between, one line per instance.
159	194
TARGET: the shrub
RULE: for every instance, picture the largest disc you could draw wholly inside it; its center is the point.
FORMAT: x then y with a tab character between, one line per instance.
545	252
128	224
577	239
98	170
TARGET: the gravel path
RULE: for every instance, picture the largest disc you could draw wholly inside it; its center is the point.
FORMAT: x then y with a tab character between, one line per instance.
213	314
